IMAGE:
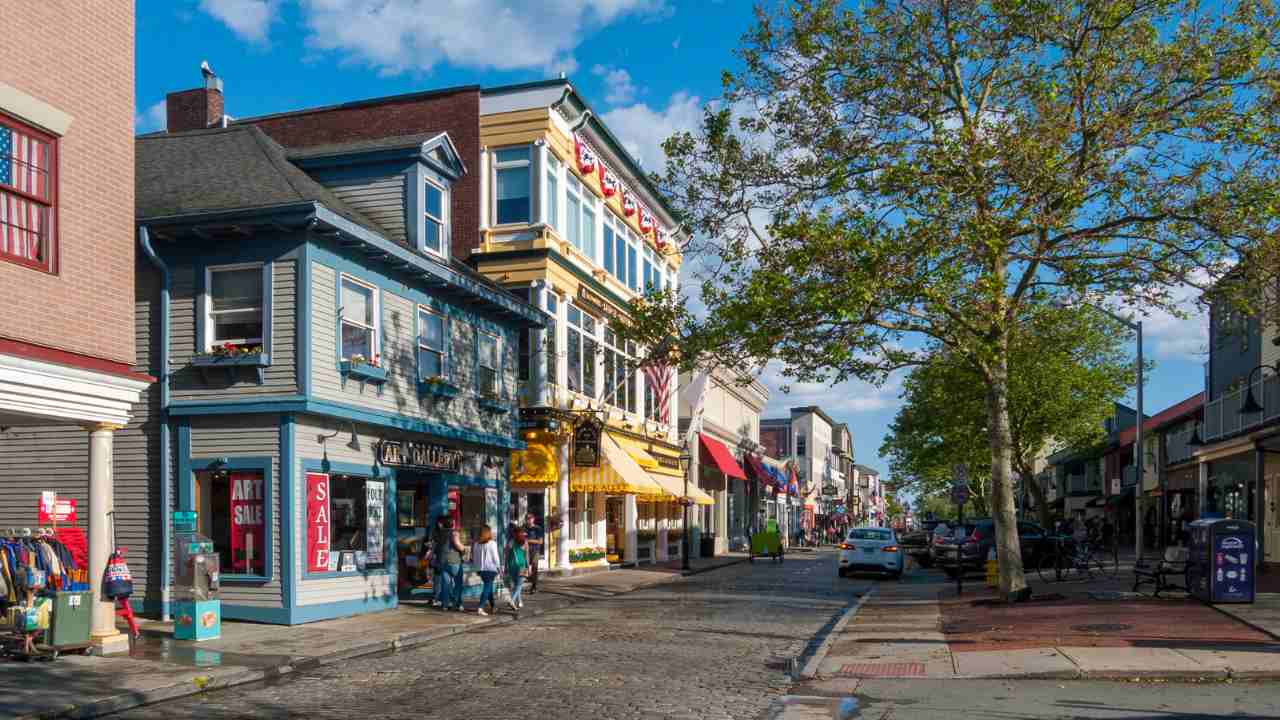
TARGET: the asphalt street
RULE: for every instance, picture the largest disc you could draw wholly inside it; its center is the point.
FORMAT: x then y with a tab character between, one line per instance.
716	645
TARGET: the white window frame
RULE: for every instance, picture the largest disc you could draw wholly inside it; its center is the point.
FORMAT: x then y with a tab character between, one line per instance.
427	217
481	336
443	351
508	165
585	357
376	331
551	211
209	327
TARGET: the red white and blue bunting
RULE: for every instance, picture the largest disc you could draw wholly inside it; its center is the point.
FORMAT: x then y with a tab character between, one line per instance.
628	203
586	157
646	220
609	184
589	162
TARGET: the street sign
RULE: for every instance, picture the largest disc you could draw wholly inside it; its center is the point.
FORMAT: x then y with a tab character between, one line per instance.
959	494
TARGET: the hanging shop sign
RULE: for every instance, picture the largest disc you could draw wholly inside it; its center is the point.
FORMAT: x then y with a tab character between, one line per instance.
54	509
586	444
246	521
318	522
422	456
375	506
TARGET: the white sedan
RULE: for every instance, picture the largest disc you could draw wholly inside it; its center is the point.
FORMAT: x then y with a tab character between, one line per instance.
872	550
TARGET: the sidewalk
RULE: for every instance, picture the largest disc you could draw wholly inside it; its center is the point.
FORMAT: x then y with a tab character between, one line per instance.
160	668
919	629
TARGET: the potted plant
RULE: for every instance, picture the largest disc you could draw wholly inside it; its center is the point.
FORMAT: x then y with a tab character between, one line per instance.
438	386
364	368
229	356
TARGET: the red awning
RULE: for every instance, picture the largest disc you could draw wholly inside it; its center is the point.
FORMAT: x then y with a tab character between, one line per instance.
721	457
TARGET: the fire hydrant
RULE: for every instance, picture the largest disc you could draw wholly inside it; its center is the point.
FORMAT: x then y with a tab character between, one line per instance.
993	569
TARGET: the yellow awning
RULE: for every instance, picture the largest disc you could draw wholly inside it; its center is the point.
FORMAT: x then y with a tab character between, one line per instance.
535	466
619	473
636	450
672	481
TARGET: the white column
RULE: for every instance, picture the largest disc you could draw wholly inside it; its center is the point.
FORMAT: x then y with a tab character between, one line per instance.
722	518
629	515
103	631
601	533
562	496
660	520
485	189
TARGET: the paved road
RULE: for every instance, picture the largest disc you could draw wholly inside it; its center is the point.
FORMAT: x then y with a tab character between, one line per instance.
711	646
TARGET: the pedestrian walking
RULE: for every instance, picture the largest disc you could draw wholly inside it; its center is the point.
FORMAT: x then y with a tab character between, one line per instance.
484	557
517	564
536	538
448	549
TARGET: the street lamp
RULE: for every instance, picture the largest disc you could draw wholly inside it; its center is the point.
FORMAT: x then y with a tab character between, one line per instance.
1251	404
686	467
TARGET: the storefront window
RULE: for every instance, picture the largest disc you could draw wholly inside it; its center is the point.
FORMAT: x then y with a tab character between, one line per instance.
471	513
231	506
356	517
582	352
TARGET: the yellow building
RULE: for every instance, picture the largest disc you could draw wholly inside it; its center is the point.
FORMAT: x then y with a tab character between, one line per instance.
570	221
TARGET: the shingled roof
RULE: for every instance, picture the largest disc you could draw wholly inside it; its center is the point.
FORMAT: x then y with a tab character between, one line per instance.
234	168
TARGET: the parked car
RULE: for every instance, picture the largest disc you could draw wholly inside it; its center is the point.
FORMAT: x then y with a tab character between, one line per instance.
976	540
872	550
916	542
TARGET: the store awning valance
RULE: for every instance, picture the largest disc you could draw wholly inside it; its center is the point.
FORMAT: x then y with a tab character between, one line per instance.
636	450
673	486
618	474
535	466
720	457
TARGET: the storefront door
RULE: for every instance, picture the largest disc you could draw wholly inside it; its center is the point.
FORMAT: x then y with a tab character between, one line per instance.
615	527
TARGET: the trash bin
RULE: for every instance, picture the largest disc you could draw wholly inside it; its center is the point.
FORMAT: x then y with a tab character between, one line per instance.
709	545
1220	561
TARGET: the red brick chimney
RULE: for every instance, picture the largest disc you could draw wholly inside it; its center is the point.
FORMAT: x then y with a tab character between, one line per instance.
195	109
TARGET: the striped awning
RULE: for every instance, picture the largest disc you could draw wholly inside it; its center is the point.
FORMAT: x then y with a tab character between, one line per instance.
672	481
535	466
619	474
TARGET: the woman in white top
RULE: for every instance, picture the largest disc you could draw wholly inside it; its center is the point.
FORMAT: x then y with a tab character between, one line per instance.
484	557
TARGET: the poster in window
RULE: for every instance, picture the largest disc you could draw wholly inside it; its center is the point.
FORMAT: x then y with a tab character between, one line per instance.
374	520
247	525
318	522
455	505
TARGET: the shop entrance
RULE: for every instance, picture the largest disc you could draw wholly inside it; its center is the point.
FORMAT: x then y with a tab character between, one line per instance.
1271	519
615	527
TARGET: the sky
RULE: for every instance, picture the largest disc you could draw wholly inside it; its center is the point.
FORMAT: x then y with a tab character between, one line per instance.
647	66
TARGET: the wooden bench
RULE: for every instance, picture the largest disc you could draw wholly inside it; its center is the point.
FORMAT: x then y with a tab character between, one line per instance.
1169	573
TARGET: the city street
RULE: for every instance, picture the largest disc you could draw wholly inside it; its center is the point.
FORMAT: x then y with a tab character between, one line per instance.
715	645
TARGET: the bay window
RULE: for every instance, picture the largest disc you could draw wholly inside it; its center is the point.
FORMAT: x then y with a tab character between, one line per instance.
573	211
28	193
358	317
235	315
512	174
432	345
551	193
582	352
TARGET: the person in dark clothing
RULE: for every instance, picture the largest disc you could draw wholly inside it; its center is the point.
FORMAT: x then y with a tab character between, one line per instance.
536	538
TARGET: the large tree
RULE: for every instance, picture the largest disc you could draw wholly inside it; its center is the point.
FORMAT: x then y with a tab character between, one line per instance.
1067	368
891	177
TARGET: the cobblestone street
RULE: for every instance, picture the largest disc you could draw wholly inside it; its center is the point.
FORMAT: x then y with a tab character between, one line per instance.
715	645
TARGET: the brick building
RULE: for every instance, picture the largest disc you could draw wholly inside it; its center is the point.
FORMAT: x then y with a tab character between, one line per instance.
67	375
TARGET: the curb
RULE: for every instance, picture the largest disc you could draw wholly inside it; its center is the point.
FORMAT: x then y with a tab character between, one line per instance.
405	641
810	669
729	563
1243	621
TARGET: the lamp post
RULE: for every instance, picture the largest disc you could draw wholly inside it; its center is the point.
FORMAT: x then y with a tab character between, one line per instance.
686	467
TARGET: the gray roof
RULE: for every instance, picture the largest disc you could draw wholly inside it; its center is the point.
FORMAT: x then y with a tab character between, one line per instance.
235	168
382	143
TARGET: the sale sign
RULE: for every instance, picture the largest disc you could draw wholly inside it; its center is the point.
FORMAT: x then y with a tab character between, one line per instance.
55	509
318	525
247	522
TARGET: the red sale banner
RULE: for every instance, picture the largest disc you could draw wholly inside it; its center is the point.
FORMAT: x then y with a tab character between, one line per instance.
56	509
246	522
317	522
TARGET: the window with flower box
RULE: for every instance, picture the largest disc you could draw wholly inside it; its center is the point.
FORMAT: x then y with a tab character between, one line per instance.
236	311
28	195
432	345
359	320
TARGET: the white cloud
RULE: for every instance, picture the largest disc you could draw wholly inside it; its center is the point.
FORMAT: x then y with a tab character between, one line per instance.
150	119
642	129
401	35
619	89
849	397
1167	336
248	19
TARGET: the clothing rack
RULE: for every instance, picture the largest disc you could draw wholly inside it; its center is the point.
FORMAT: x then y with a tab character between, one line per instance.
26	554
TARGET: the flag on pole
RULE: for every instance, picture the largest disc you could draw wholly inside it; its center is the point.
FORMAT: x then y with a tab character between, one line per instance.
696	391
659	378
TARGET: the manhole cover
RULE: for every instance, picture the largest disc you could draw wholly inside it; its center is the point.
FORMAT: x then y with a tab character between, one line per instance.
883	670
1102	628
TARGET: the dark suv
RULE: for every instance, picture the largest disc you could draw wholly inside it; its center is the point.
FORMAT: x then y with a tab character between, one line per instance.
977	540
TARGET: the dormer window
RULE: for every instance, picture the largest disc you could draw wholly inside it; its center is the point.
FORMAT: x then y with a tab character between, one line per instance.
433	231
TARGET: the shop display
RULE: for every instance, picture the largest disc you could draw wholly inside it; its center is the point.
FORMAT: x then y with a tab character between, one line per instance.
197	608
42	586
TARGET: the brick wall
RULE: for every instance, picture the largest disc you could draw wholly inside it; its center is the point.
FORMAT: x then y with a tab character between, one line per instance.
456	111
775	440
77	55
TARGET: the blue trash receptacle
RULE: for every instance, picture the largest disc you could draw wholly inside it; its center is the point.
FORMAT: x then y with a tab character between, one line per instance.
1221	561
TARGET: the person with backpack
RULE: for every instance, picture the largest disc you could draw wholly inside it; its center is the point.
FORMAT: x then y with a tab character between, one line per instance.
517	567
484	556
448	551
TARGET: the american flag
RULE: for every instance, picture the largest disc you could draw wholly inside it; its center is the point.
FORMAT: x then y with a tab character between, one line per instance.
24	163
659	378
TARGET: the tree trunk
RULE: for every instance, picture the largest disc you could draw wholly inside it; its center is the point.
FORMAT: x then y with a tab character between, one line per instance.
1042	506
1008	548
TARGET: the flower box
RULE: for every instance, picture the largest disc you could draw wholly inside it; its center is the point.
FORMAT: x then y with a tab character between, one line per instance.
230	362
364	372
437	387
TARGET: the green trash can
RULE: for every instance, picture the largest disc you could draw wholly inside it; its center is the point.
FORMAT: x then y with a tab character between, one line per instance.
72	617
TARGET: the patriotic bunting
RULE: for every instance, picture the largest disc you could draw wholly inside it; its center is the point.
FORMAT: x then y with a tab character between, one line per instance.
610	185
646	220
628	203
608	181
586	157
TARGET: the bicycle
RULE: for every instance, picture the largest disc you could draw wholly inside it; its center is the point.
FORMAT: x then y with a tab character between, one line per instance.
1069	559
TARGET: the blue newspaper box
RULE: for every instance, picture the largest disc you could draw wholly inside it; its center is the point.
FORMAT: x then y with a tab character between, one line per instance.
1221	561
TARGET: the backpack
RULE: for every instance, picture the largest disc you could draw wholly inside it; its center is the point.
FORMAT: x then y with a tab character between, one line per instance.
516	562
